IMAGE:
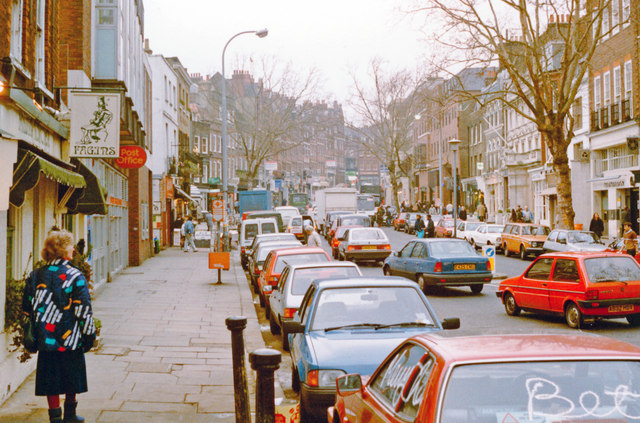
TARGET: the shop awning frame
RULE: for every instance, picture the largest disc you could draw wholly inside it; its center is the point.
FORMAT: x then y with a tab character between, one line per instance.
28	170
180	193
93	199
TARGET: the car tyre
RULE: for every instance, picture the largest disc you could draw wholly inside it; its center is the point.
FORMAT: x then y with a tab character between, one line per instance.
523	254
262	300
573	316
505	250
386	271
634	319
473	244
285	340
295	380
422	283
510	305
273	325
476	288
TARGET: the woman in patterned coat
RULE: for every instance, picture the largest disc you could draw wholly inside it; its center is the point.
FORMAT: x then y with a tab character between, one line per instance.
56	297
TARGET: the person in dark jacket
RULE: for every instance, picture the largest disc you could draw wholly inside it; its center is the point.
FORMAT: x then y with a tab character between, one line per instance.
463	213
431	227
597	225
419	227
56	298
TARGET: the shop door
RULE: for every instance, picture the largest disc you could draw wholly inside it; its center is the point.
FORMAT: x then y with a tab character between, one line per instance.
633	209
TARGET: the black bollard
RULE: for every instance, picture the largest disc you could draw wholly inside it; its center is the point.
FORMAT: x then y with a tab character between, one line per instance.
236	325
265	362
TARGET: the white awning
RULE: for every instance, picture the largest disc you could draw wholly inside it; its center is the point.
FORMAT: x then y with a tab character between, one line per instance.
549	191
183	194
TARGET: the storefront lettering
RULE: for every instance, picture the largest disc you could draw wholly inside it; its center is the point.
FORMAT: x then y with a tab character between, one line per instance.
89	150
613	184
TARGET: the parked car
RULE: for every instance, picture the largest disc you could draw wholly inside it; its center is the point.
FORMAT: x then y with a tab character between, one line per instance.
259	255
286	297
248	230
486	234
364	244
440	262
523	239
279	236
496	378
617	245
444	227
577	285
335	241
571	240
350	325
399	221
287	213
466	229
277	260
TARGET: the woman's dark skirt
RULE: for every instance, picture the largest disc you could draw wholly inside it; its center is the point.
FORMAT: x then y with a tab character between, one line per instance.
61	373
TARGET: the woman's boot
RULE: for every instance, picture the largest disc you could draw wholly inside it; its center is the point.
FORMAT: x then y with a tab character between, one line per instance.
70	412
55	415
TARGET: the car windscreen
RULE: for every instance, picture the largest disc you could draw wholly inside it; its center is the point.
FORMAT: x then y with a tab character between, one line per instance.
472	226
296	221
451	248
609	269
302	278
250	231
535	230
368	235
581	237
543	392
354	221
386	305
292	259
495	229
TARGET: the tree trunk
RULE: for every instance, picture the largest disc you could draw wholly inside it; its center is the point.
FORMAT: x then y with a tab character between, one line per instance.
563	180
394	187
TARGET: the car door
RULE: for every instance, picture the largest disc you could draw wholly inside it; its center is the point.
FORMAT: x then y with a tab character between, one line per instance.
513	242
399	265
276	302
532	290
414	260
562	241
565	283
551	243
479	237
505	234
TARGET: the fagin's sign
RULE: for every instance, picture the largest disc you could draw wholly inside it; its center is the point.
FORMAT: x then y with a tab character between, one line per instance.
95	124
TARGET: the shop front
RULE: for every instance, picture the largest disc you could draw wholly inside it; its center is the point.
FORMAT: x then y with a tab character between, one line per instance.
615	198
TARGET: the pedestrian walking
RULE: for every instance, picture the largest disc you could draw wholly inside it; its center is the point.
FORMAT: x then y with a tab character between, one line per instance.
630	239
482	212
419	227
449	208
527	215
514	216
431	227
432	210
463	213
56	298
189	231
313	238
597	225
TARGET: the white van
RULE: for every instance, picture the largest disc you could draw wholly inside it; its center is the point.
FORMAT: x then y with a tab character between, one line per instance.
249	229
287	212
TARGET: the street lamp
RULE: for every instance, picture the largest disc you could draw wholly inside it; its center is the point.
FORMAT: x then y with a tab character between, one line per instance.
260	33
454	144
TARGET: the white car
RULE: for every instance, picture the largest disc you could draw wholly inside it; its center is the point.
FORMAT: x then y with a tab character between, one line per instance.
486	234
465	229
287	213
287	295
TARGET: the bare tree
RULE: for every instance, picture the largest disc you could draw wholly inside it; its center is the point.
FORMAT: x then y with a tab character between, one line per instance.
386	105
543	47
269	116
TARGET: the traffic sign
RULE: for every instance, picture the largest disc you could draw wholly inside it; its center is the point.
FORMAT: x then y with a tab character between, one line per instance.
490	252
217	210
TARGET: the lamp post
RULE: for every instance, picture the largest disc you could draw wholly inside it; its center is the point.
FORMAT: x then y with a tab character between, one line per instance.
455	143
260	33
440	182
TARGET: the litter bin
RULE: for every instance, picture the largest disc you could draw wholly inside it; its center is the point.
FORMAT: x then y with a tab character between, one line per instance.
156	245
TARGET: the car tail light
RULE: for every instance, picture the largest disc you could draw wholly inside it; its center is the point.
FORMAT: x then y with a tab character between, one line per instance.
242	250
386	247
336	242
354	247
438	267
256	270
489	269
592	294
289	312
312	378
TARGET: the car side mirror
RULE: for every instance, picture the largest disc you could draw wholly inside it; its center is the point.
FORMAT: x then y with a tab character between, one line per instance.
293	326
348	384
395	254
451	323
562	241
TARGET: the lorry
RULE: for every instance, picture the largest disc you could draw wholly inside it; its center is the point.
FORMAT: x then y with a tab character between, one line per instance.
334	199
254	200
300	200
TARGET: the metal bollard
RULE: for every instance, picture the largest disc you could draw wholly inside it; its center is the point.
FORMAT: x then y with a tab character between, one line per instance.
236	325
265	362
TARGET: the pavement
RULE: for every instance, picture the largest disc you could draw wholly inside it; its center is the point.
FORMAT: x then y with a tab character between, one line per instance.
166	351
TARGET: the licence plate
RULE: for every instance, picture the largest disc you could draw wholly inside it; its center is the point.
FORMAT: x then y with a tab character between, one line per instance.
369	247
623	307
464	267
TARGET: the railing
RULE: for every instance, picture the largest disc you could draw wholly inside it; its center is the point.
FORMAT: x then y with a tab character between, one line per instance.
523	158
613	114
613	163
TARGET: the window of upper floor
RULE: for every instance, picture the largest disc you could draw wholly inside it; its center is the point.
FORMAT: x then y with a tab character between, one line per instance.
615	17
606	88
16	30
626	12
40	43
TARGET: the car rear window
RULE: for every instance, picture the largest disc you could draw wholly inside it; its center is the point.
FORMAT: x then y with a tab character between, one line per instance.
302	278
269	228
292	259
355	221
250	231
374	235
452	248
609	269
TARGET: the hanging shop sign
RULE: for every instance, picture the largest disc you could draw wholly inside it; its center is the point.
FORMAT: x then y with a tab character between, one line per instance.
95	124
131	157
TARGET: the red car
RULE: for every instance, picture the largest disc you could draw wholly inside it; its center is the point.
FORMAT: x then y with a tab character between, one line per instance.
577	285
509	379
444	228
399	221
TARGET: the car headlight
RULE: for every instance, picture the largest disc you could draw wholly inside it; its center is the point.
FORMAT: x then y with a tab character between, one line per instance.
323	378
534	244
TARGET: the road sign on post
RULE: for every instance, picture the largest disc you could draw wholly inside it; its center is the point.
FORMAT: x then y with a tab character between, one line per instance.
217	210
490	252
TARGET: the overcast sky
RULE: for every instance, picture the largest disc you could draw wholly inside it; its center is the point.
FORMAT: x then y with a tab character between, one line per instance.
334	36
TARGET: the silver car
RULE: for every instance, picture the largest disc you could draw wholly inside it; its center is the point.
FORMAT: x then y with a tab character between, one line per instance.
561	240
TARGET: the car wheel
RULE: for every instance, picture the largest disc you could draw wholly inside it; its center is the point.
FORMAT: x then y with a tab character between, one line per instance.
510	305
295	380
473	244
262	301
505	250
476	288
267	311
634	319
422	283
573	316
273	325
285	340
523	254
386	271
305	416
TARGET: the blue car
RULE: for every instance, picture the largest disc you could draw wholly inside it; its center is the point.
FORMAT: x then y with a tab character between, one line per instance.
440	262
349	325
